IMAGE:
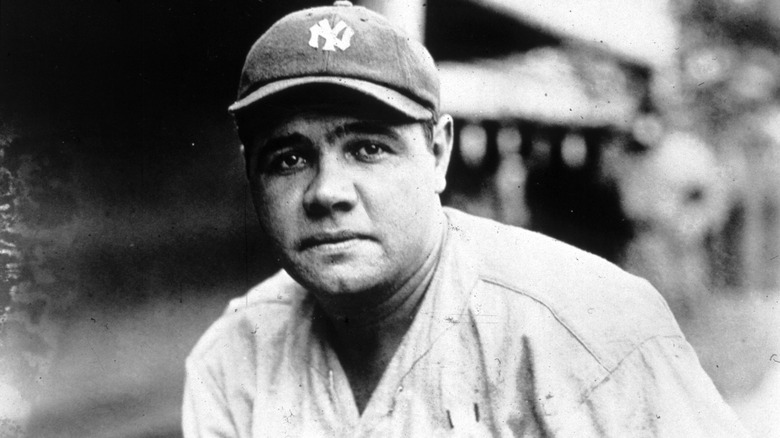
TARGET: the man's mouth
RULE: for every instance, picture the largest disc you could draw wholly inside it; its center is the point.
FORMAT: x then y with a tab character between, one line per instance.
334	239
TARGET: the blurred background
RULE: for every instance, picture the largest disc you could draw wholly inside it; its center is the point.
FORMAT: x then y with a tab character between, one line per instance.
647	132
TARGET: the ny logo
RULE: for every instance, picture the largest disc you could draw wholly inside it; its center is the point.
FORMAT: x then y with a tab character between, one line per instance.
331	35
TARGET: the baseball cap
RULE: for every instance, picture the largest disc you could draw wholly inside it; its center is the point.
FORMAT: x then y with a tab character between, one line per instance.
344	47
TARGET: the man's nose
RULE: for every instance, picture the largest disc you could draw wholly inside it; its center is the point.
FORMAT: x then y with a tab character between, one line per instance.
332	190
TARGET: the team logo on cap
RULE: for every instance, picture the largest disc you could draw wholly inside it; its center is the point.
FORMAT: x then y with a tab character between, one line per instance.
331	35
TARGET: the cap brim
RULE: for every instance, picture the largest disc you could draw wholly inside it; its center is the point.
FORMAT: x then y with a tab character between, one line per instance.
384	95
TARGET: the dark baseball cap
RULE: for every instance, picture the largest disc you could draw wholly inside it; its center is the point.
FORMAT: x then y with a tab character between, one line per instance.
341	47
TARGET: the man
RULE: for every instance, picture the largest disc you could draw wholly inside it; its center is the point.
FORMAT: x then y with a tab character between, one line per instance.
394	316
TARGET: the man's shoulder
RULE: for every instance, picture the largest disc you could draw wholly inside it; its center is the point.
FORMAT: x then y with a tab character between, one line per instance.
276	292
263	312
517	255
608	310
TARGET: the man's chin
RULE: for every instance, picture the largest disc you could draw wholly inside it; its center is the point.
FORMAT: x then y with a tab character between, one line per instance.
338	279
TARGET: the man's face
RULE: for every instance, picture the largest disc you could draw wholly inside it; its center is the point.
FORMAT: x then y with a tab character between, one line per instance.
350	204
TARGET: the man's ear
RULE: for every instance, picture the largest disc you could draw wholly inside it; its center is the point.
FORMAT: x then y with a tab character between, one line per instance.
443	134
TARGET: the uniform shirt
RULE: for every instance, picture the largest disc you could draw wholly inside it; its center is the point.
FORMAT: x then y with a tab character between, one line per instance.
517	335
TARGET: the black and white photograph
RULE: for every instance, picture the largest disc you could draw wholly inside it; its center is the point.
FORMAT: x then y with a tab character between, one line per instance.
389	218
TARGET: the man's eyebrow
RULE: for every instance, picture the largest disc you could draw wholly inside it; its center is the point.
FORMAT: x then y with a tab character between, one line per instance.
364	127
274	144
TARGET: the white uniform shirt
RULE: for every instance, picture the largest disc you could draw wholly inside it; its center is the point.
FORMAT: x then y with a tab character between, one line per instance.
518	335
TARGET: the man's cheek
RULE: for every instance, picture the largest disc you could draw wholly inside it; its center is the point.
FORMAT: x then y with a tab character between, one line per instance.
271	218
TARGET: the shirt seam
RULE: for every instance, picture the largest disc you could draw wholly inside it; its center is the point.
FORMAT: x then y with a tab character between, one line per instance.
586	395
555	315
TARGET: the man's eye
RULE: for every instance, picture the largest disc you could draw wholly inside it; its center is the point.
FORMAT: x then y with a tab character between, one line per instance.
368	151
287	162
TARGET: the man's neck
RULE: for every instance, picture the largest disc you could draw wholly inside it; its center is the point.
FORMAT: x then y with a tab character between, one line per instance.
366	331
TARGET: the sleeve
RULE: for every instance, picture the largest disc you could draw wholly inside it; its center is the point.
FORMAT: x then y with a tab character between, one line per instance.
205	412
660	390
